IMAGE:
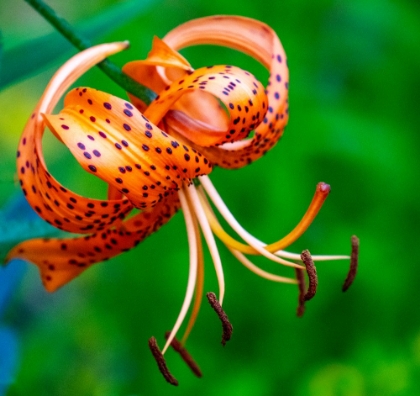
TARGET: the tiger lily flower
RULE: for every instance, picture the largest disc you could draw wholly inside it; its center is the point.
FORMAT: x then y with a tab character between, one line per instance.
157	158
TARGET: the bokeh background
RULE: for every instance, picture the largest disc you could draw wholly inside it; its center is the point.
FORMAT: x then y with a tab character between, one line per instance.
354	123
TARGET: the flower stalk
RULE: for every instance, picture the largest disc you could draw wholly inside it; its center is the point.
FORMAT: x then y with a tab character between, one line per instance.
81	43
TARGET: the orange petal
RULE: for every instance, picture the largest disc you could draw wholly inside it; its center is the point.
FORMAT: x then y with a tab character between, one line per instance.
113	141
53	202
61	260
260	41
242	95
161	66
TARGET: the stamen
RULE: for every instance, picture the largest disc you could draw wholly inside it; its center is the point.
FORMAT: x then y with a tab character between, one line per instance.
301	286
318	257
209	237
321	193
186	357
256	270
245	235
198	293
354	261
311	270
227	327
234	244
160	360
192	274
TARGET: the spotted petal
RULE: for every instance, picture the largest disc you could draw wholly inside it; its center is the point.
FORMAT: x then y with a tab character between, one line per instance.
259	41
52	201
160	69
61	260
114	141
237	89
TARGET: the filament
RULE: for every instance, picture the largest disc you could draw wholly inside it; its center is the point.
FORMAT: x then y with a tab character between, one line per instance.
256	270
208	235
192	275
251	240
198	294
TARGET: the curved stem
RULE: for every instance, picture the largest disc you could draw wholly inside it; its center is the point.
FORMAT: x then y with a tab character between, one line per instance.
81	43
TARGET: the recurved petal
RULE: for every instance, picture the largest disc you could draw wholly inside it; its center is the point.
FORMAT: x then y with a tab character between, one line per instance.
52	201
239	91
112	140
260	41
61	260
158	70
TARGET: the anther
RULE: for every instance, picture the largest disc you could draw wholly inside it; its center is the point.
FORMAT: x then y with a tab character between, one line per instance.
227	327
160	360
186	357
311	270
301	286
354	261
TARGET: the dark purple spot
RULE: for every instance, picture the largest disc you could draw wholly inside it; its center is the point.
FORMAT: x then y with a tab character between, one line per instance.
107	105
96	153
128	113
127	127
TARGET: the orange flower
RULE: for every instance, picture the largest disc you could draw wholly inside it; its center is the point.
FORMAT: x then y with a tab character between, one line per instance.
150	155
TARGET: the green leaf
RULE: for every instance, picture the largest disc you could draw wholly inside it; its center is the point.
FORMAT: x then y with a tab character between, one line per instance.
24	60
1	51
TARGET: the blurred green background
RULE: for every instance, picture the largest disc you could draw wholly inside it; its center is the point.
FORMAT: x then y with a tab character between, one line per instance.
354	123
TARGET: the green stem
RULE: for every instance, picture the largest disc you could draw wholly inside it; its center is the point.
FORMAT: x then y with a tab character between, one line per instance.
81	43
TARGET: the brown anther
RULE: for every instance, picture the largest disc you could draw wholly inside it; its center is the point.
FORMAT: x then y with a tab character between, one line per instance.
354	261
227	327
186	357
301	286
160	360
311	270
